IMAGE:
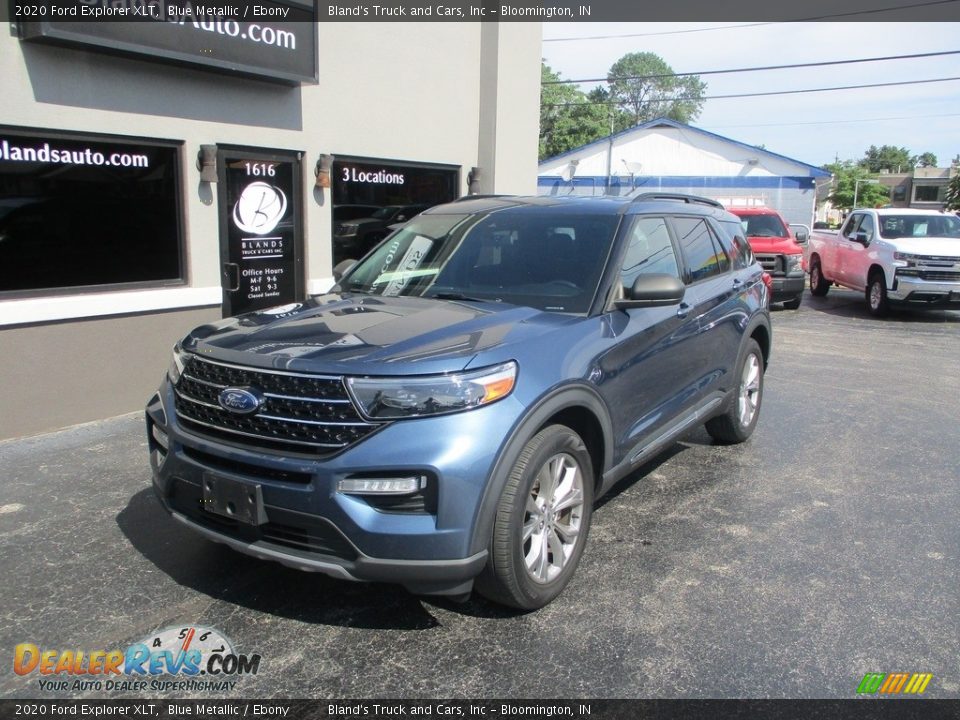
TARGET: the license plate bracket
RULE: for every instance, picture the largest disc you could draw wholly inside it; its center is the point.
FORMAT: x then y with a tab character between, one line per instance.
234	499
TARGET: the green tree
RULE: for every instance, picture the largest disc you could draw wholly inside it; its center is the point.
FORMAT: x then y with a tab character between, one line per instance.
845	176
927	159
567	119
644	87
953	193
887	157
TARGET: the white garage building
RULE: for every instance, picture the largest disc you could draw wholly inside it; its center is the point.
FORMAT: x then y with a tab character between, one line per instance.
667	156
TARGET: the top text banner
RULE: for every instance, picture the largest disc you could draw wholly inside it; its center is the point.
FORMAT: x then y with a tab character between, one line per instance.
305	11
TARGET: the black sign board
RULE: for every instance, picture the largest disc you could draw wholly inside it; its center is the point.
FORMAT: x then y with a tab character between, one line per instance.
280	45
261	236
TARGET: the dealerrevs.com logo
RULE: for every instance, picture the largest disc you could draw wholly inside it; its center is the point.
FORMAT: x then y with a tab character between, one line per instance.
193	658
894	683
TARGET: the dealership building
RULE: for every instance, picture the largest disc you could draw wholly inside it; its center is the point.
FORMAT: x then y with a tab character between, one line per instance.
159	175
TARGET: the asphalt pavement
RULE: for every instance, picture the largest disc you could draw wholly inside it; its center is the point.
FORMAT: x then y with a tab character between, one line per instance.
824	548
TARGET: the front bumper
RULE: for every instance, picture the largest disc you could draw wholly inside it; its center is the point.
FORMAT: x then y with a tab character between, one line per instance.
914	290
307	524
787	288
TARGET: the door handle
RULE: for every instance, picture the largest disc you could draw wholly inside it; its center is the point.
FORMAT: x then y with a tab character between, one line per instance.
683	310
737	283
231	274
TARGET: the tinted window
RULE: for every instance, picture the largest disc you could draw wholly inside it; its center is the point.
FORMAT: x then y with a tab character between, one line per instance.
649	250
850	226
703	254
741	254
522	256
78	212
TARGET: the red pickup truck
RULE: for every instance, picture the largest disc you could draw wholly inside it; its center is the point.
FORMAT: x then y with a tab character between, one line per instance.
776	248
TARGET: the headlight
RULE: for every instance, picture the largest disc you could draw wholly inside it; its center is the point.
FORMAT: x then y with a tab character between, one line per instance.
909	258
177	363
794	264
404	397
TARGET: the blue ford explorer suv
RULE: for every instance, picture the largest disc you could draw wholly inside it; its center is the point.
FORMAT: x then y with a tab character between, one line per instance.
446	416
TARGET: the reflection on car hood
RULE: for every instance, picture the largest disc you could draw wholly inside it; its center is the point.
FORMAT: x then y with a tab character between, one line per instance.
362	334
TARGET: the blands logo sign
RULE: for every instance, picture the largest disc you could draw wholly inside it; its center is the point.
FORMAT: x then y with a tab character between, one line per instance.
894	683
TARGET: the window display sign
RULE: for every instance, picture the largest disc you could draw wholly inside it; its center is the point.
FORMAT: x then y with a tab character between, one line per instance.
269	39
80	212
261	239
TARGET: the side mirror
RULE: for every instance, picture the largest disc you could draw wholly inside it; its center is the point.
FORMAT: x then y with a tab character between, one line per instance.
342	268
800	232
653	290
861	237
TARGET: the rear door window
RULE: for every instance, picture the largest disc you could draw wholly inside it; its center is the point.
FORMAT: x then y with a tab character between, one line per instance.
703	253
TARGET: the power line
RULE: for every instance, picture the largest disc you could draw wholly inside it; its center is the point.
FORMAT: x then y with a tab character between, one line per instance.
837	122
762	94
759	68
877	10
758	24
652	34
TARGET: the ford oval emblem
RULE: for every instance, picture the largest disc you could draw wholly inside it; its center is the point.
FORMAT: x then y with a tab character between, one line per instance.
242	401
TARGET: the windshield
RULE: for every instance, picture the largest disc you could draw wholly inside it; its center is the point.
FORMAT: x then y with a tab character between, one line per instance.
904	226
521	256
763	226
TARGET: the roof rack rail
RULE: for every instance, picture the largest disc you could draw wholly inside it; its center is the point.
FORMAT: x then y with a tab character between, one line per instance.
681	197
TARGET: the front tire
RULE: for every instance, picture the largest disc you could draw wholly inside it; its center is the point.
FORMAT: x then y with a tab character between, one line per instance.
819	285
740	418
877	295
542	521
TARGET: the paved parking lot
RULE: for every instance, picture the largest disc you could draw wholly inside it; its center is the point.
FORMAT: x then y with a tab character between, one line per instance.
825	548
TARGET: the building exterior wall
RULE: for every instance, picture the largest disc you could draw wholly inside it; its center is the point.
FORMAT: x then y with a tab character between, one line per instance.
409	92
682	159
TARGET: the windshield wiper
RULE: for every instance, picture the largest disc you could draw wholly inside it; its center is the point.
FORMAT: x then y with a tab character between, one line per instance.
458	296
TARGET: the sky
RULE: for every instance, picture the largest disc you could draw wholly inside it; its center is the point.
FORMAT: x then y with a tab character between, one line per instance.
815	128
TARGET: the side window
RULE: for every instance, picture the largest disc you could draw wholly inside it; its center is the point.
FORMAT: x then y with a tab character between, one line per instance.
704	255
850	226
649	250
741	254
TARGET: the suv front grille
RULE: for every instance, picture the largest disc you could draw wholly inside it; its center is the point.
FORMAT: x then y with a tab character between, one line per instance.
939	275
300	413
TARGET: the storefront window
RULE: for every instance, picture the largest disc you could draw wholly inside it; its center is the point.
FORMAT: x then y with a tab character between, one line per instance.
372	198
80	213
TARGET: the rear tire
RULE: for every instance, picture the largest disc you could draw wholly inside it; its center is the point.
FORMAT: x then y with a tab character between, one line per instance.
877	295
743	410
819	285
542	521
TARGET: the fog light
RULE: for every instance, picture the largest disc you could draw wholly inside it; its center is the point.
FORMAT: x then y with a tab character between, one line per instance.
382	486
161	437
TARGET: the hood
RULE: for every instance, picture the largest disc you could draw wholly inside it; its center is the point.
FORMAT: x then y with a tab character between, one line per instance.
779	245
371	335
940	247
363	222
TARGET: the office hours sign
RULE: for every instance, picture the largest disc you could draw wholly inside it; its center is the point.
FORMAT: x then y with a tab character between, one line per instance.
260	221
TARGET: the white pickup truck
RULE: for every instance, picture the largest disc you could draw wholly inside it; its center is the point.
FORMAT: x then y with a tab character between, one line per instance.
893	255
